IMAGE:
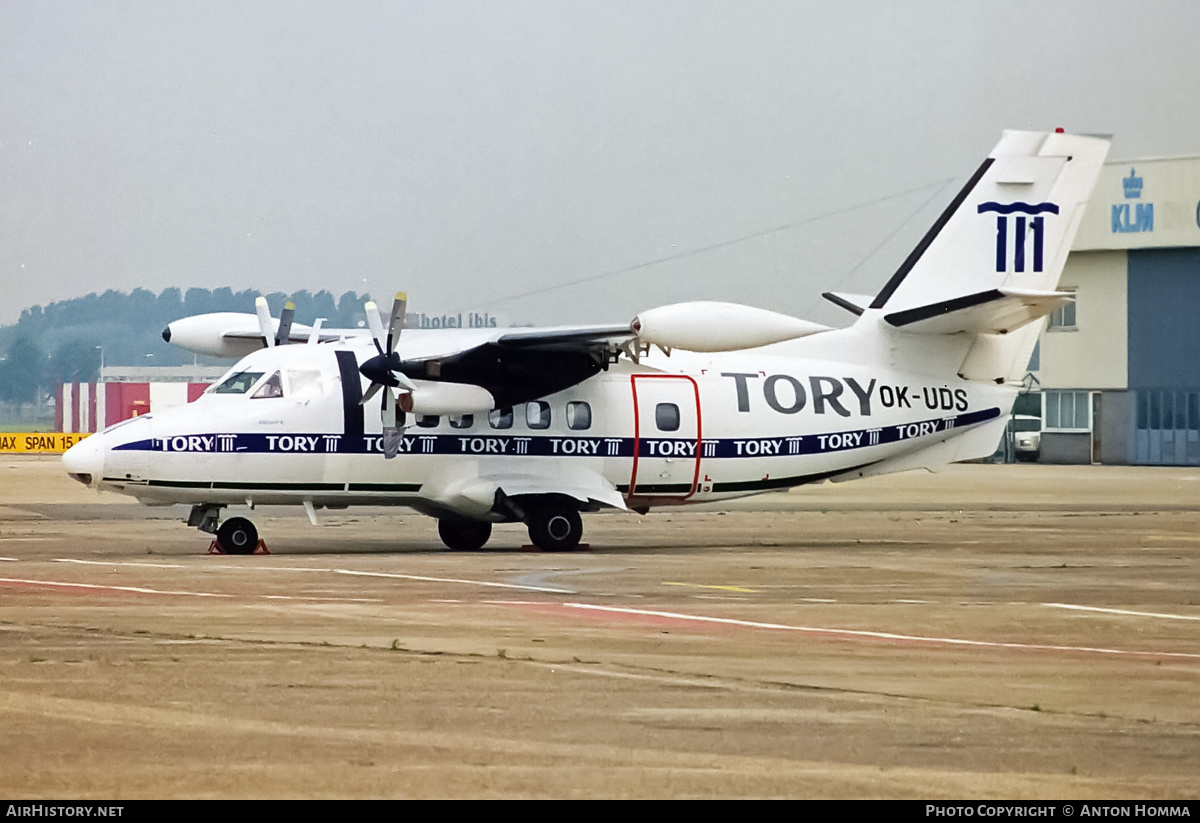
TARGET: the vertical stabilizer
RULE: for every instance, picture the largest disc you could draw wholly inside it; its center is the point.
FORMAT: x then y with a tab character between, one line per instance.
989	266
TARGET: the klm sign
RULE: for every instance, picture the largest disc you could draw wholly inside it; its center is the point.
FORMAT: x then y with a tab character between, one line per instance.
1028	232
1132	217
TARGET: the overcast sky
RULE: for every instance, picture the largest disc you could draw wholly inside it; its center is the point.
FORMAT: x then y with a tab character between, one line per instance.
479	154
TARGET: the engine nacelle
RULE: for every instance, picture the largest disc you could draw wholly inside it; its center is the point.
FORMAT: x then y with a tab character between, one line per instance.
705	326
225	334
451	398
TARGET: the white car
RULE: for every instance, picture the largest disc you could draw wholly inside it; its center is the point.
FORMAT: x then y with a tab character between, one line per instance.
1027	436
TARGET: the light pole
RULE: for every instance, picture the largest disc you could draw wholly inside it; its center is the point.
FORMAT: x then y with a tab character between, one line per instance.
100	376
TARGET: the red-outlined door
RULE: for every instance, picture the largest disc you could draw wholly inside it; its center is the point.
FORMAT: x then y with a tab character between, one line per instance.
666	436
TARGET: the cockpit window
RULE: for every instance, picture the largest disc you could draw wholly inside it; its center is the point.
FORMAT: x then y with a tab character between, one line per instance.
304	384
271	387
239	383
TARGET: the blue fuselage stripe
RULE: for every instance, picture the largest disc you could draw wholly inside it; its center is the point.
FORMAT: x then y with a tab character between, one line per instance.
501	443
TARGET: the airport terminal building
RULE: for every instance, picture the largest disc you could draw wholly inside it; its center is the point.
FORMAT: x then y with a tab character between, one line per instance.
1118	372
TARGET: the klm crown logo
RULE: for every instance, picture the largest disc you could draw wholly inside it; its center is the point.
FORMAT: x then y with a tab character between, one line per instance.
1132	185
1023	231
1130	218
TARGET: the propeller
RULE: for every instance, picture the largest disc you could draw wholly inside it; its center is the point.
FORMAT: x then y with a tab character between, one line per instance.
384	373
279	336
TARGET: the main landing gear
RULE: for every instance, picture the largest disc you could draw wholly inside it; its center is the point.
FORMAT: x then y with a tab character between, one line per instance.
464	535
554	526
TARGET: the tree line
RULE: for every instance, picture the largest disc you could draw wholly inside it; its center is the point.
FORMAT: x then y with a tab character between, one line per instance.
64	341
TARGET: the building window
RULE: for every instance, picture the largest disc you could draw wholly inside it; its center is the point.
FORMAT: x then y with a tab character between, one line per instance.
1063	318
1067	410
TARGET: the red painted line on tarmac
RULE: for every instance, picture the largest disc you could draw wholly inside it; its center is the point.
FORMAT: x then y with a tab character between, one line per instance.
680	619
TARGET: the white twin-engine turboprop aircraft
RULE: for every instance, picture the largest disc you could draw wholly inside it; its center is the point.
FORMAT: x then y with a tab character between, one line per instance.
689	403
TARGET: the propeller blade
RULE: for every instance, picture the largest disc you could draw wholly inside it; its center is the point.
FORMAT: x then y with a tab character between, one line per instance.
392	438
404	381
389	409
396	321
314	336
371	392
283	335
374	324
264	320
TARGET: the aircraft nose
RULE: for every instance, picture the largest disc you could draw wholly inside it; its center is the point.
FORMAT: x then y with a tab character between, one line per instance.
85	460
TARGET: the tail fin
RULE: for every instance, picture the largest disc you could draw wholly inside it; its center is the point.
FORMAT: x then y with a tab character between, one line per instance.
989	266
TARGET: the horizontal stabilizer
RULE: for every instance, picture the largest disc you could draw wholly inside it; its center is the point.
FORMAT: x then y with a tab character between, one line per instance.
995	311
856	304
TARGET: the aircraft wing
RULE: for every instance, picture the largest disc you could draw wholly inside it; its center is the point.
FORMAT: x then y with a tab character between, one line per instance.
568	336
514	366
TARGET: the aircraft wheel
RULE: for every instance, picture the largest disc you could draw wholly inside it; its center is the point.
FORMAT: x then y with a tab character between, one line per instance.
555	528
464	535
237	535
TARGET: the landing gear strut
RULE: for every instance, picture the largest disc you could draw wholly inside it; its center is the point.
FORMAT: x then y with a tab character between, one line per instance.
464	535
555	526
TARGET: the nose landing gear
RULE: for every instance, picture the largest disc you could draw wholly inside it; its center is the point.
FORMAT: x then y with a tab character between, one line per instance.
236	535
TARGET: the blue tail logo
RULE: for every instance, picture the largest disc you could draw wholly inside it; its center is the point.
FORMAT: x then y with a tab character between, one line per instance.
1022	228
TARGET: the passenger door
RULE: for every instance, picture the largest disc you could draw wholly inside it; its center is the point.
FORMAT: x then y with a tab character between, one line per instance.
666	451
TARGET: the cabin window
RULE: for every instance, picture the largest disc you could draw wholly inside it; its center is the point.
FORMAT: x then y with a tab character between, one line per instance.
428	421
501	418
666	417
271	387
462	421
239	383
579	416
304	384
537	414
